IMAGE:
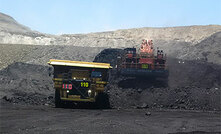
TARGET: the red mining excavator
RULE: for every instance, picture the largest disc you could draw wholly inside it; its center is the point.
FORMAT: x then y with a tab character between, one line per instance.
143	64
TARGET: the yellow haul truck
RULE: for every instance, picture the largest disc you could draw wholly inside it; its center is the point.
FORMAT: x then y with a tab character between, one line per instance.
77	81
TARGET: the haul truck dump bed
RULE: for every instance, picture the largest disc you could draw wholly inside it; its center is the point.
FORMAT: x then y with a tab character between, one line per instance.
79	81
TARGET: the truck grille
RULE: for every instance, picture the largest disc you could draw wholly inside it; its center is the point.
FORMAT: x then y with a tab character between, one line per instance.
78	87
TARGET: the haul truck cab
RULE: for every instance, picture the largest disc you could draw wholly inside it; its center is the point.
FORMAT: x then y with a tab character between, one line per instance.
78	81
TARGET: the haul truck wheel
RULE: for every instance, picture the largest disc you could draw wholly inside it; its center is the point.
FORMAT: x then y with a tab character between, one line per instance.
58	101
102	101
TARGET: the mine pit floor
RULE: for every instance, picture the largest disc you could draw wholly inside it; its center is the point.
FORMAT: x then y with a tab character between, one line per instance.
16	118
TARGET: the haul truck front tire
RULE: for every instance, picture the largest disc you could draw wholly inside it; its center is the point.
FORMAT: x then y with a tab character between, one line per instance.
58	101
102	101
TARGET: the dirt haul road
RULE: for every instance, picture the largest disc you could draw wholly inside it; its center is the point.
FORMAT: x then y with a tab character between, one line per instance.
17	118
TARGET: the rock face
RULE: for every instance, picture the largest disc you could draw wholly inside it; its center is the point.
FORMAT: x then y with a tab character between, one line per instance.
14	33
119	38
208	50
187	42
8	24
39	54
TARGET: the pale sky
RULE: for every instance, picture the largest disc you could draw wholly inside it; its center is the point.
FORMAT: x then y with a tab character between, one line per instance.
85	16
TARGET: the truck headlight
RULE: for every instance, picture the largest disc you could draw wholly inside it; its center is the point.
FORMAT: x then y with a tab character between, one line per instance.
89	92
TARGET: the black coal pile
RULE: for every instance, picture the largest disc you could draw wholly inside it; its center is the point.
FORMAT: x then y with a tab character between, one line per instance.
27	84
191	85
109	56
194	98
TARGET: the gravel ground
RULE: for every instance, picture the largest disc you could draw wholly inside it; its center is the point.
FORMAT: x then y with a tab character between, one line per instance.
46	119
